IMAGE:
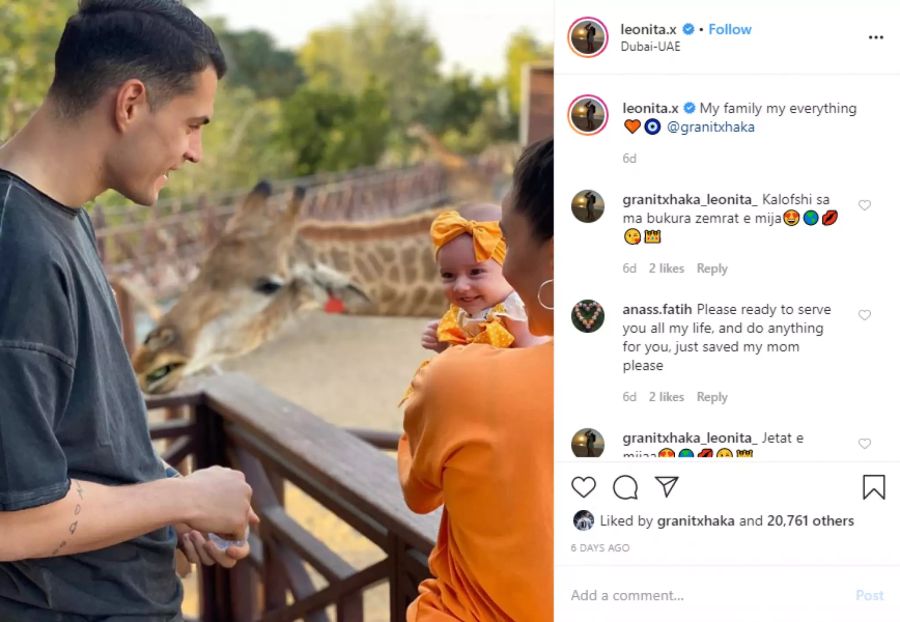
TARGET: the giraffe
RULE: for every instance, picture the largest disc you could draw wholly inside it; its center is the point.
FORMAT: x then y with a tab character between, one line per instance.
391	261
249	283
266	266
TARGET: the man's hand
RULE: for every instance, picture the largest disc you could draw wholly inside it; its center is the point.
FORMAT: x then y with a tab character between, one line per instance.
429	338
219	502
195	548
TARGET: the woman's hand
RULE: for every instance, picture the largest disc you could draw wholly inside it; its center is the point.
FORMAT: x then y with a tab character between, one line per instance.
523	337
430	339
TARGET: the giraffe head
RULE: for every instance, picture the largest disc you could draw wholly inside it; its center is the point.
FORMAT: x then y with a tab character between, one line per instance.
255	277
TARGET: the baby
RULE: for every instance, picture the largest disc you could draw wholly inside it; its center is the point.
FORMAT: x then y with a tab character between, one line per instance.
483	306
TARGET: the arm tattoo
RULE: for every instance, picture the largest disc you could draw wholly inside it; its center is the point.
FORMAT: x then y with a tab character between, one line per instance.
73	526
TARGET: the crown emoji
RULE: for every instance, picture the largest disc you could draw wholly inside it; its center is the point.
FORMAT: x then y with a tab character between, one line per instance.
744	453
651	237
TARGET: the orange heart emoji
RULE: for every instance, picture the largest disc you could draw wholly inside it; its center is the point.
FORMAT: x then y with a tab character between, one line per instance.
632	125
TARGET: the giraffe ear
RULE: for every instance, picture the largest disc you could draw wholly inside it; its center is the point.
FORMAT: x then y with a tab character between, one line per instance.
253	210
255	203
295	205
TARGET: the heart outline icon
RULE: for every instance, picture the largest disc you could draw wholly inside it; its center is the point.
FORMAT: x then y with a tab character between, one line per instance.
587	483
865	204
865	443
632	125
865	314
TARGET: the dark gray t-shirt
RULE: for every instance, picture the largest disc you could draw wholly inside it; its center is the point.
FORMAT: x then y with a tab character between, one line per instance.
70	408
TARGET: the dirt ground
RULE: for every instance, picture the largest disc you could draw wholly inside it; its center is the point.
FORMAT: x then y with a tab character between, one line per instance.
350	371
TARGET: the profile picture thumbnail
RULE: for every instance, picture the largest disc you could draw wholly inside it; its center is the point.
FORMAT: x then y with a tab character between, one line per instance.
588	316
588	114
588	443
583	520
588	206
588	37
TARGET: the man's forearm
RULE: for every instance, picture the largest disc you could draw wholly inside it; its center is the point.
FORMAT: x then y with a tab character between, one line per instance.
91	516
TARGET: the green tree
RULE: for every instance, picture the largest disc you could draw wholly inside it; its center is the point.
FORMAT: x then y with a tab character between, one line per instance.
29	34
330	130
493	124
466	116
382	41
254	61
522	49
454	103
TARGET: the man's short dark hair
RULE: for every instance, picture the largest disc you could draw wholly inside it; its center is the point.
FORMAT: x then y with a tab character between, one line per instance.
160	42
532	188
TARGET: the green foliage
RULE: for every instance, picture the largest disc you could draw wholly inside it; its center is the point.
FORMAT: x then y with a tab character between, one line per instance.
396	47
29	34
523	48
330	130
467	117
454	104
491	126
385	42
255	62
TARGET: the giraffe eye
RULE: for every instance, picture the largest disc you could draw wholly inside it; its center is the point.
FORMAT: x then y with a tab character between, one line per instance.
266	287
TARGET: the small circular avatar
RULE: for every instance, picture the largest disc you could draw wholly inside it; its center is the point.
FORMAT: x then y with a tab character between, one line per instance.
588	316
583	520
587	114
588	443
791	217
724	453
633	236
588	206
588	37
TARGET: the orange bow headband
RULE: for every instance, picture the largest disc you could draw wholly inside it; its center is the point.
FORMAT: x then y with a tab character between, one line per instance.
487	237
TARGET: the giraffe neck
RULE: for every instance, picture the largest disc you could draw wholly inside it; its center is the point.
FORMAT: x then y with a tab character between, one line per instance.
393	261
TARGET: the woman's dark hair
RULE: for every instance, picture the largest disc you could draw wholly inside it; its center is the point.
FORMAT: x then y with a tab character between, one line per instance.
160	42
532	189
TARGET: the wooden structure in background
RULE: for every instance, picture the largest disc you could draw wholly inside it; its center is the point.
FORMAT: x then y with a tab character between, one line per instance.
536	113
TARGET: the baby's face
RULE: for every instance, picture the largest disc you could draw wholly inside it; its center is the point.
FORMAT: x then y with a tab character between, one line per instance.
472	286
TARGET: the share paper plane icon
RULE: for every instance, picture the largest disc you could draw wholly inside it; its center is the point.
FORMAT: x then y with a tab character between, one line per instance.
667	482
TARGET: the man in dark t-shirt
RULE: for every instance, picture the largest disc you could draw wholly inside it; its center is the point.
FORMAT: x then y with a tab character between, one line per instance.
88	518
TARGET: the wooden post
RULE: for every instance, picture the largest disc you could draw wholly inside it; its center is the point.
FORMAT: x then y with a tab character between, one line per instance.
275	582
215	584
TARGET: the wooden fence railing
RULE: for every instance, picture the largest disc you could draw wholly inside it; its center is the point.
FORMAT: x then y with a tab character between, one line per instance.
232	421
